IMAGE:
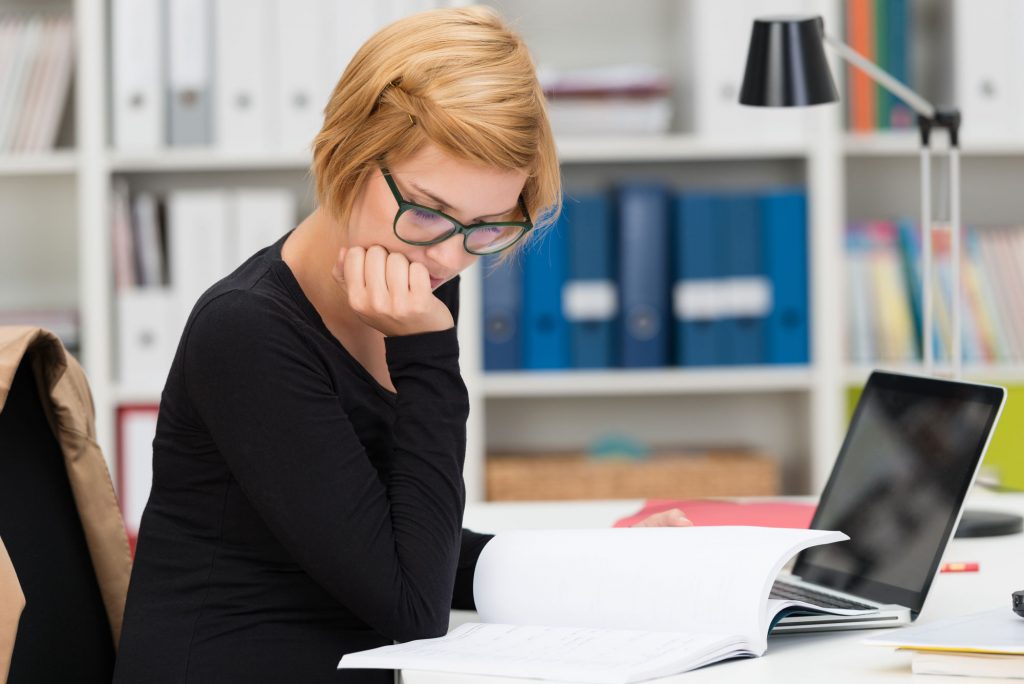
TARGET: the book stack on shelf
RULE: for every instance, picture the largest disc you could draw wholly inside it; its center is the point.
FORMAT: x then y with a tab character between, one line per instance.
233	74
168	251
884	292
881	31
622	99
646	277
36	58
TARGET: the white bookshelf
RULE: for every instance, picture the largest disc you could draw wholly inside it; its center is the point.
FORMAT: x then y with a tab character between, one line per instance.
670	381
671	148
202	159
58	163
906	144
797	412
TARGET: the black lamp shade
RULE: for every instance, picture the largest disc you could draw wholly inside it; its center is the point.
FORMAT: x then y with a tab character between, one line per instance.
786	65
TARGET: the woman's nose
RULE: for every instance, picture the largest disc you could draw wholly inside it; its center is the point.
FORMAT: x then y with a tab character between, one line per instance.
450	255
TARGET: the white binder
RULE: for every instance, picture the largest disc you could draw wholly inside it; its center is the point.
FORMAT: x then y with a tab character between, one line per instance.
987	61
146	337
188	74
303	40
137	45
261	216
719	40
197	239
244	66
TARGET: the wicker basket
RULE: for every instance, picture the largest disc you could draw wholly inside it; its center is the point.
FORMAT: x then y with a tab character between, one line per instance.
536	477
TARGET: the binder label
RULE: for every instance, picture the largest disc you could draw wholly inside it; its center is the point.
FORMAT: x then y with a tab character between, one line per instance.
698	300
590	300
748	297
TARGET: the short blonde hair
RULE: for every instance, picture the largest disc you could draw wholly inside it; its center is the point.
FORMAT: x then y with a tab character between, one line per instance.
458	78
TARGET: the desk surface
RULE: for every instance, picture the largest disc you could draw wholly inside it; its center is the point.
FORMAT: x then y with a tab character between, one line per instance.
837	657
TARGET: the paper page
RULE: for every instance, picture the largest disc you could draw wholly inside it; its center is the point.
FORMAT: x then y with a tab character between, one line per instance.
559	653
994	631
699	580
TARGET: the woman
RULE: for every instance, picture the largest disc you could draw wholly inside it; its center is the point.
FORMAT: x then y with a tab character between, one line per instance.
307	478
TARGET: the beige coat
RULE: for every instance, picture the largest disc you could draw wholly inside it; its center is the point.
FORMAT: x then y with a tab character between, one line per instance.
68	405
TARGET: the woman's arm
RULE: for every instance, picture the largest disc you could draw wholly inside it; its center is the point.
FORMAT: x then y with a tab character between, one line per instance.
384	543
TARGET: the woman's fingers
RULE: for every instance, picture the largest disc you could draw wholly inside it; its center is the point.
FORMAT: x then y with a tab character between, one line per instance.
389	293
398	275
375	275
419	279
670	518
352	274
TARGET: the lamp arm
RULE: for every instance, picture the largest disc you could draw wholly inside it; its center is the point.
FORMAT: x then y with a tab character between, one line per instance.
882	77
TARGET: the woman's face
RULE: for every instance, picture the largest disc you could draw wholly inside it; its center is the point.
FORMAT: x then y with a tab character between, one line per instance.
467	192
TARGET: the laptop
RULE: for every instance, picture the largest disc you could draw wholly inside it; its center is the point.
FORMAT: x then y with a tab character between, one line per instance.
897	489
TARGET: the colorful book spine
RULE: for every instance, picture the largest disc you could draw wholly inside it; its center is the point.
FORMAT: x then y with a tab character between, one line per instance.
860	87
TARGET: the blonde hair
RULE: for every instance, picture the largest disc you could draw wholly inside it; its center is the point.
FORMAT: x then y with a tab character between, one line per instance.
457	78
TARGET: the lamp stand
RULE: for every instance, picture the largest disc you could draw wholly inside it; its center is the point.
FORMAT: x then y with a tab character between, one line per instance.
973	523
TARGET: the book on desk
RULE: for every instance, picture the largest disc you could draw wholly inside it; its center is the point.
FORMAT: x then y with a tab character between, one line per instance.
987	644
612	606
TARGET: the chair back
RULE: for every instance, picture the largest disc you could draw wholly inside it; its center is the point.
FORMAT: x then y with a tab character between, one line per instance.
64	633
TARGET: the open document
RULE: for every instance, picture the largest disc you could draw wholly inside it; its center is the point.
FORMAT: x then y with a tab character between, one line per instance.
613	606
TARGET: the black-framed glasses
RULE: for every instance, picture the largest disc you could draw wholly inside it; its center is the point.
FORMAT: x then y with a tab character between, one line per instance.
418	225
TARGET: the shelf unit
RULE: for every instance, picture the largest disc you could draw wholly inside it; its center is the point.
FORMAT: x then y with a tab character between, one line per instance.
798	412
56	163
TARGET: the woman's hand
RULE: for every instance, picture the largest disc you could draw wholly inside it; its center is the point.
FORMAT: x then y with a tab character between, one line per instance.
670	518
389	293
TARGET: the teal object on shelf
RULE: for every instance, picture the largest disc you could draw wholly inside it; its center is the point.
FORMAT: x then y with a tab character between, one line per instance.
618	446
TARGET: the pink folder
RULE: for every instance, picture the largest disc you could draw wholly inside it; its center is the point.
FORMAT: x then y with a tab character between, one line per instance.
711	512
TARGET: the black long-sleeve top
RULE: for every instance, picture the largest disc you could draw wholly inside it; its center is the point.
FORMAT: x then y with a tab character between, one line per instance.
299	510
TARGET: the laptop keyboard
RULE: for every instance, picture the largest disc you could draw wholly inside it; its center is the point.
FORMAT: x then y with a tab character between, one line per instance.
785	591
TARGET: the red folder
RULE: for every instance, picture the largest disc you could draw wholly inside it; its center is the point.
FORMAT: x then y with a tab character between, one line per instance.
706	512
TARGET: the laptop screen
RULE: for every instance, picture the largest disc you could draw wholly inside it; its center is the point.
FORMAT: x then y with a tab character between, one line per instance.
897	487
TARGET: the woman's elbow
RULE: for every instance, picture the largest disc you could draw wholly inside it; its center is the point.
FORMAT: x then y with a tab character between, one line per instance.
424	622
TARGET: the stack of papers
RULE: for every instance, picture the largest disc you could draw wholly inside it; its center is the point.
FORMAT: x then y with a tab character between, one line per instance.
989	644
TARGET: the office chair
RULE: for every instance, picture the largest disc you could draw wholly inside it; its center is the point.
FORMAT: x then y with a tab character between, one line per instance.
65	631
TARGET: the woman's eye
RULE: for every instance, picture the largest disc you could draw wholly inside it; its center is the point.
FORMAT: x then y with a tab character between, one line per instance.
424	216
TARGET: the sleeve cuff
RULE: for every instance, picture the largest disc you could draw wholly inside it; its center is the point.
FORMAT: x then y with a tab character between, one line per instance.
441	344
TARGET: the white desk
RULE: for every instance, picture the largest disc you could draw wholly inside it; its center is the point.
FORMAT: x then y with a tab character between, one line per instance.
832	658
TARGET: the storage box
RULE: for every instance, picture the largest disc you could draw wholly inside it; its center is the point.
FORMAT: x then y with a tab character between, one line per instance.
547	476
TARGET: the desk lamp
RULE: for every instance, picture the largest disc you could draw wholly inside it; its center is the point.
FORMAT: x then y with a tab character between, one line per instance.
786	67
